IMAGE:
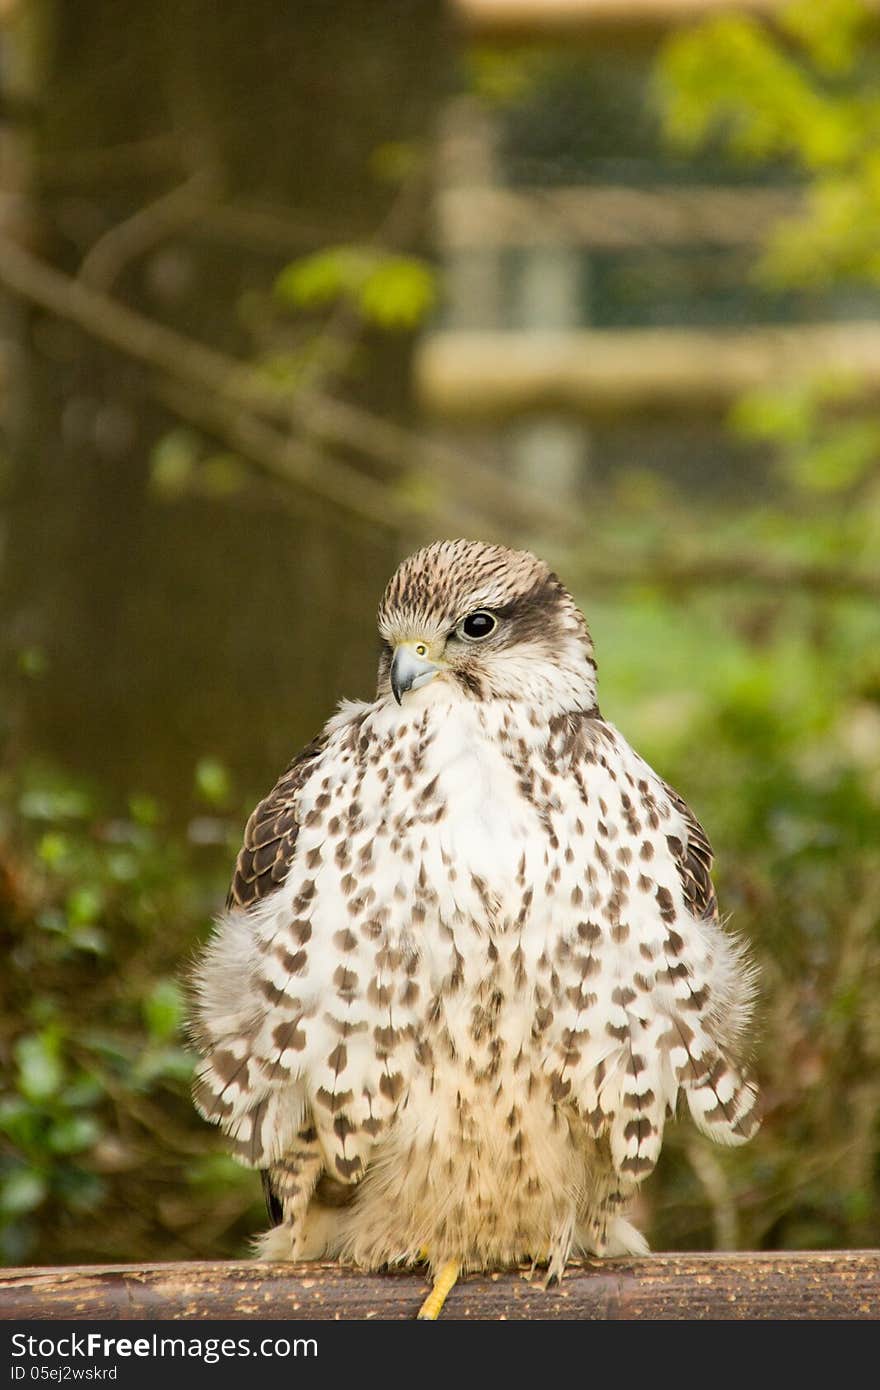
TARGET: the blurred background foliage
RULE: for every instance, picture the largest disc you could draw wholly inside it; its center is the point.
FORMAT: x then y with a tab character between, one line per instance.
194	546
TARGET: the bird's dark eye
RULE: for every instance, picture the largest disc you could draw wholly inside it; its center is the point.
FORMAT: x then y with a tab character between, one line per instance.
477	625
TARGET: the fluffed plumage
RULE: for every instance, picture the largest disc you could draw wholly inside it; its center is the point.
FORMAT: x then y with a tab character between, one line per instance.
471	955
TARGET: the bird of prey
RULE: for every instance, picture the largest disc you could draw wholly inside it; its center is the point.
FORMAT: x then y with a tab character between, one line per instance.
471	956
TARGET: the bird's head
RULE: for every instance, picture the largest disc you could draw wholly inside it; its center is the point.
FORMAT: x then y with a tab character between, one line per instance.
481	622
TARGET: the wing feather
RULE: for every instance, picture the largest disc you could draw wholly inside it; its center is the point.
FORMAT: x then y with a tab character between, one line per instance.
669	989
305	1016
694	858
271	833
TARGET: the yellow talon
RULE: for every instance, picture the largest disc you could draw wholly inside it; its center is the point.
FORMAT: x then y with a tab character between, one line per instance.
443	1283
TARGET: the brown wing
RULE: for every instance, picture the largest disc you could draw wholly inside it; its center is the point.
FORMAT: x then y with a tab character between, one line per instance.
270	834
693	861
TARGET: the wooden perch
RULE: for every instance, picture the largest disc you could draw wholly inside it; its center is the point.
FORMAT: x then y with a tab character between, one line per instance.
829	1285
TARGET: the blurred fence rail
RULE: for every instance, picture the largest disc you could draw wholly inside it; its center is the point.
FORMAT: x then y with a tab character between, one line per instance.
497	374
808	1286
610	218
500	19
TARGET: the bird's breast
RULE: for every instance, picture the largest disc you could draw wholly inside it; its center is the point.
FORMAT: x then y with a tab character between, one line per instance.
435	822
487	842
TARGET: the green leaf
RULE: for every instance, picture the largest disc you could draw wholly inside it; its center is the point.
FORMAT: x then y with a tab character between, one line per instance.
399	293
164	1064
830	31
89	939
840	459
145	810
41	1071
21	1191
163	1010
55	803
390	291
83	1092
785	415
316	281
213	782
84	905
123	866
53	849
20	1120
730	76
73	1134
215	1171
173	463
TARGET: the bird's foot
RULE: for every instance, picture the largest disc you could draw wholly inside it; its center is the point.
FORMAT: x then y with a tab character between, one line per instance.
444	1281
546	1270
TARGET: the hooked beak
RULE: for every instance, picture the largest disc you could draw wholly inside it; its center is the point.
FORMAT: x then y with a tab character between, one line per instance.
411	669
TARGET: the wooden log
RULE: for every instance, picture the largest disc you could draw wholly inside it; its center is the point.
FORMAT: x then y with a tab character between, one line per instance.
497	375
826	1285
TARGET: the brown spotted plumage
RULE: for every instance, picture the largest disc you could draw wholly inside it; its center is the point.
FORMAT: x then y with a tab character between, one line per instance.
270	835
471	956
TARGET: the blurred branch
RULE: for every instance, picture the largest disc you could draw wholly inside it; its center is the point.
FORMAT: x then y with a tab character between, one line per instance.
266	227
227	384
682	573
494	495
223	394
154	154
123	243
345	326
281	456
132	334
236	386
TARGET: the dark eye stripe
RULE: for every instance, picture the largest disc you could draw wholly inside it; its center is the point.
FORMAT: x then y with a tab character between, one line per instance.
536	605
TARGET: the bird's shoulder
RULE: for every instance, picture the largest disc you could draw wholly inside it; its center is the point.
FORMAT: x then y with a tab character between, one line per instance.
270	835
